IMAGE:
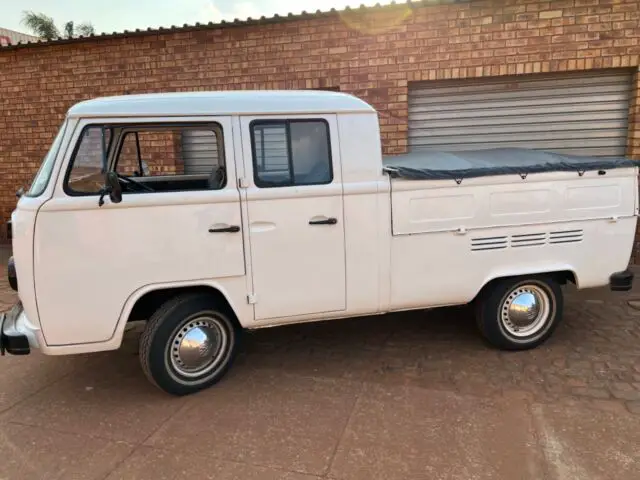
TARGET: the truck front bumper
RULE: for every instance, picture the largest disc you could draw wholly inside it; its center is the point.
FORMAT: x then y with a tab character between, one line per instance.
14	338
621	281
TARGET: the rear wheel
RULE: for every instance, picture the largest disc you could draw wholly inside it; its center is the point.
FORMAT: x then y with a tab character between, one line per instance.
520	313
188	344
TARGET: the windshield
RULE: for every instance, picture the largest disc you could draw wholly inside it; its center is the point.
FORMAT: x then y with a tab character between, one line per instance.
41	179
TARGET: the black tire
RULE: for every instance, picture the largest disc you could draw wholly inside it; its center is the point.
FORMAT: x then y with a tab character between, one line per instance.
159	342
495	323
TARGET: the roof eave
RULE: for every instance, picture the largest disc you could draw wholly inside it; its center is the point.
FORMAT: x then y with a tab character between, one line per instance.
224	24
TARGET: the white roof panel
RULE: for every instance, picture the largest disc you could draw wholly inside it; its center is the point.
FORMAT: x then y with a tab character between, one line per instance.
239	102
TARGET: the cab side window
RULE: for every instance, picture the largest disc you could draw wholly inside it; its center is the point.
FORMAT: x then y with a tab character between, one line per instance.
89	161
149	158
291	153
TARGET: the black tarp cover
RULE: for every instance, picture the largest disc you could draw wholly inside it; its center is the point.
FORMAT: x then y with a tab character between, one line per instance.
435	165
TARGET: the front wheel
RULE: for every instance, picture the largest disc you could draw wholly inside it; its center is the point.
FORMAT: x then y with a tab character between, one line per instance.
188	344
520	313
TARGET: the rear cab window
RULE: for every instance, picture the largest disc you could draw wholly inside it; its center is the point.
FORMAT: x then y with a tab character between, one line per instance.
290	153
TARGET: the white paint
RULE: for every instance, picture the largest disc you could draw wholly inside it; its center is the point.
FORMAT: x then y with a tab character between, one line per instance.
298	268
180	104
396	245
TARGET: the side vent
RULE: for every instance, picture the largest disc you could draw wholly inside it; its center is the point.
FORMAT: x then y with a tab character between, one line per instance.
528	240
566	236
488	243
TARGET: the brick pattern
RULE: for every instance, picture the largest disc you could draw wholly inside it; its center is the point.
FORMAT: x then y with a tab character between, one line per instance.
372	53
162	151
633	147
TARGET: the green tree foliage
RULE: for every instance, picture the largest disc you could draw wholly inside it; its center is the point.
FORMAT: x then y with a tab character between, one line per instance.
44	27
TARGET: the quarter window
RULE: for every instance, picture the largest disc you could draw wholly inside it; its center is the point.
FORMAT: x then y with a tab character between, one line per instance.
291	153
89	161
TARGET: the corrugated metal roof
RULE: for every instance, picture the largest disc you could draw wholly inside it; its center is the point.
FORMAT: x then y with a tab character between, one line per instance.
15	37
224	24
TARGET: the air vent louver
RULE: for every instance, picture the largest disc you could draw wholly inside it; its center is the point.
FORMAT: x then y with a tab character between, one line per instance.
488	243
566	236
526	240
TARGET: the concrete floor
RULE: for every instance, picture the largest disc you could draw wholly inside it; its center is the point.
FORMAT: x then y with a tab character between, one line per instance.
411	396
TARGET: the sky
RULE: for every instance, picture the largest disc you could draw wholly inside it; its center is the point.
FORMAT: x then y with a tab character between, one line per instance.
119	15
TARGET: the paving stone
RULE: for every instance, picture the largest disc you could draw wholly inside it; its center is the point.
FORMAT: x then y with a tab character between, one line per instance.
155	464
283	421
626	394
634	406
590	392
580	443
109	398
40	453
413	433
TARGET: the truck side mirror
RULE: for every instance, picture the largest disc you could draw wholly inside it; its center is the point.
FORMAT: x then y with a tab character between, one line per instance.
115	189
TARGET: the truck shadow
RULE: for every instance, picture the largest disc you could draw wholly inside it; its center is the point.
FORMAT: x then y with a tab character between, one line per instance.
436	349
350	348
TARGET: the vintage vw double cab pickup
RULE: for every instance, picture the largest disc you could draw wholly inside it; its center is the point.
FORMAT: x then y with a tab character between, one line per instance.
205	214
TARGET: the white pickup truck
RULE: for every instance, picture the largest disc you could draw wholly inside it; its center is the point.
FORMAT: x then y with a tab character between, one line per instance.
205	214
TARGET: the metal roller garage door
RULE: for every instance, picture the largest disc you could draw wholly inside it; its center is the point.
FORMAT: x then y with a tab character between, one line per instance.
582	113
199	151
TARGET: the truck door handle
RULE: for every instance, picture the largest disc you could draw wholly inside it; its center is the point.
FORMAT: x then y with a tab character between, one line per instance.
231	229
327	221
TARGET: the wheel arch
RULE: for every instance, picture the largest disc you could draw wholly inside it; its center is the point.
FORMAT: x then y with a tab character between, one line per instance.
561	274
144	301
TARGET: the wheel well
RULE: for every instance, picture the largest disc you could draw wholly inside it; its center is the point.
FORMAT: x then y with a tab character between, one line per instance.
562	277
148	303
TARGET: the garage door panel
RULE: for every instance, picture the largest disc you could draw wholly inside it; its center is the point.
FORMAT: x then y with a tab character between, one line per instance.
592	108
558	130
528	83
582	112
551	145
528	102
200	151
618	117
518	94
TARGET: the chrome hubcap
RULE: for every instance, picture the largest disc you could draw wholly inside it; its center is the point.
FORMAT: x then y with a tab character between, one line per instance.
525	311
197	346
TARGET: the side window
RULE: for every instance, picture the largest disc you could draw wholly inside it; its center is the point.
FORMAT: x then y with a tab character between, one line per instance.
88	163
149	158
291	152
172	158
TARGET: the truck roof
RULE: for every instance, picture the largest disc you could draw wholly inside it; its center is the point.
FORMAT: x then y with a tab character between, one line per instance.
239	102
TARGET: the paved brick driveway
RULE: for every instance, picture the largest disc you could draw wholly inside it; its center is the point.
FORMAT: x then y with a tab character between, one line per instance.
411	396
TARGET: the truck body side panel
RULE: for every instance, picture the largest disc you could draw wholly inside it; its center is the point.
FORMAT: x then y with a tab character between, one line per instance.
449	239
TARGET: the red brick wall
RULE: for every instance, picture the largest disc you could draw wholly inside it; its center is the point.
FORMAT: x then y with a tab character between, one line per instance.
374	54
161	150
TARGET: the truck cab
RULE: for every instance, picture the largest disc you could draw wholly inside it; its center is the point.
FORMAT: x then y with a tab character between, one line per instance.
208	213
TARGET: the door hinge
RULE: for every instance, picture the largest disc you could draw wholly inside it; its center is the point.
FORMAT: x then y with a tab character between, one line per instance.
252	299
242	183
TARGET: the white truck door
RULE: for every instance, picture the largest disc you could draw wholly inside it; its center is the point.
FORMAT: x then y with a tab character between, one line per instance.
172	227
296	221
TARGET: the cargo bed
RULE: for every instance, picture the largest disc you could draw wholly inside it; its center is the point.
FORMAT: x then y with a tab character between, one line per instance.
437	165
